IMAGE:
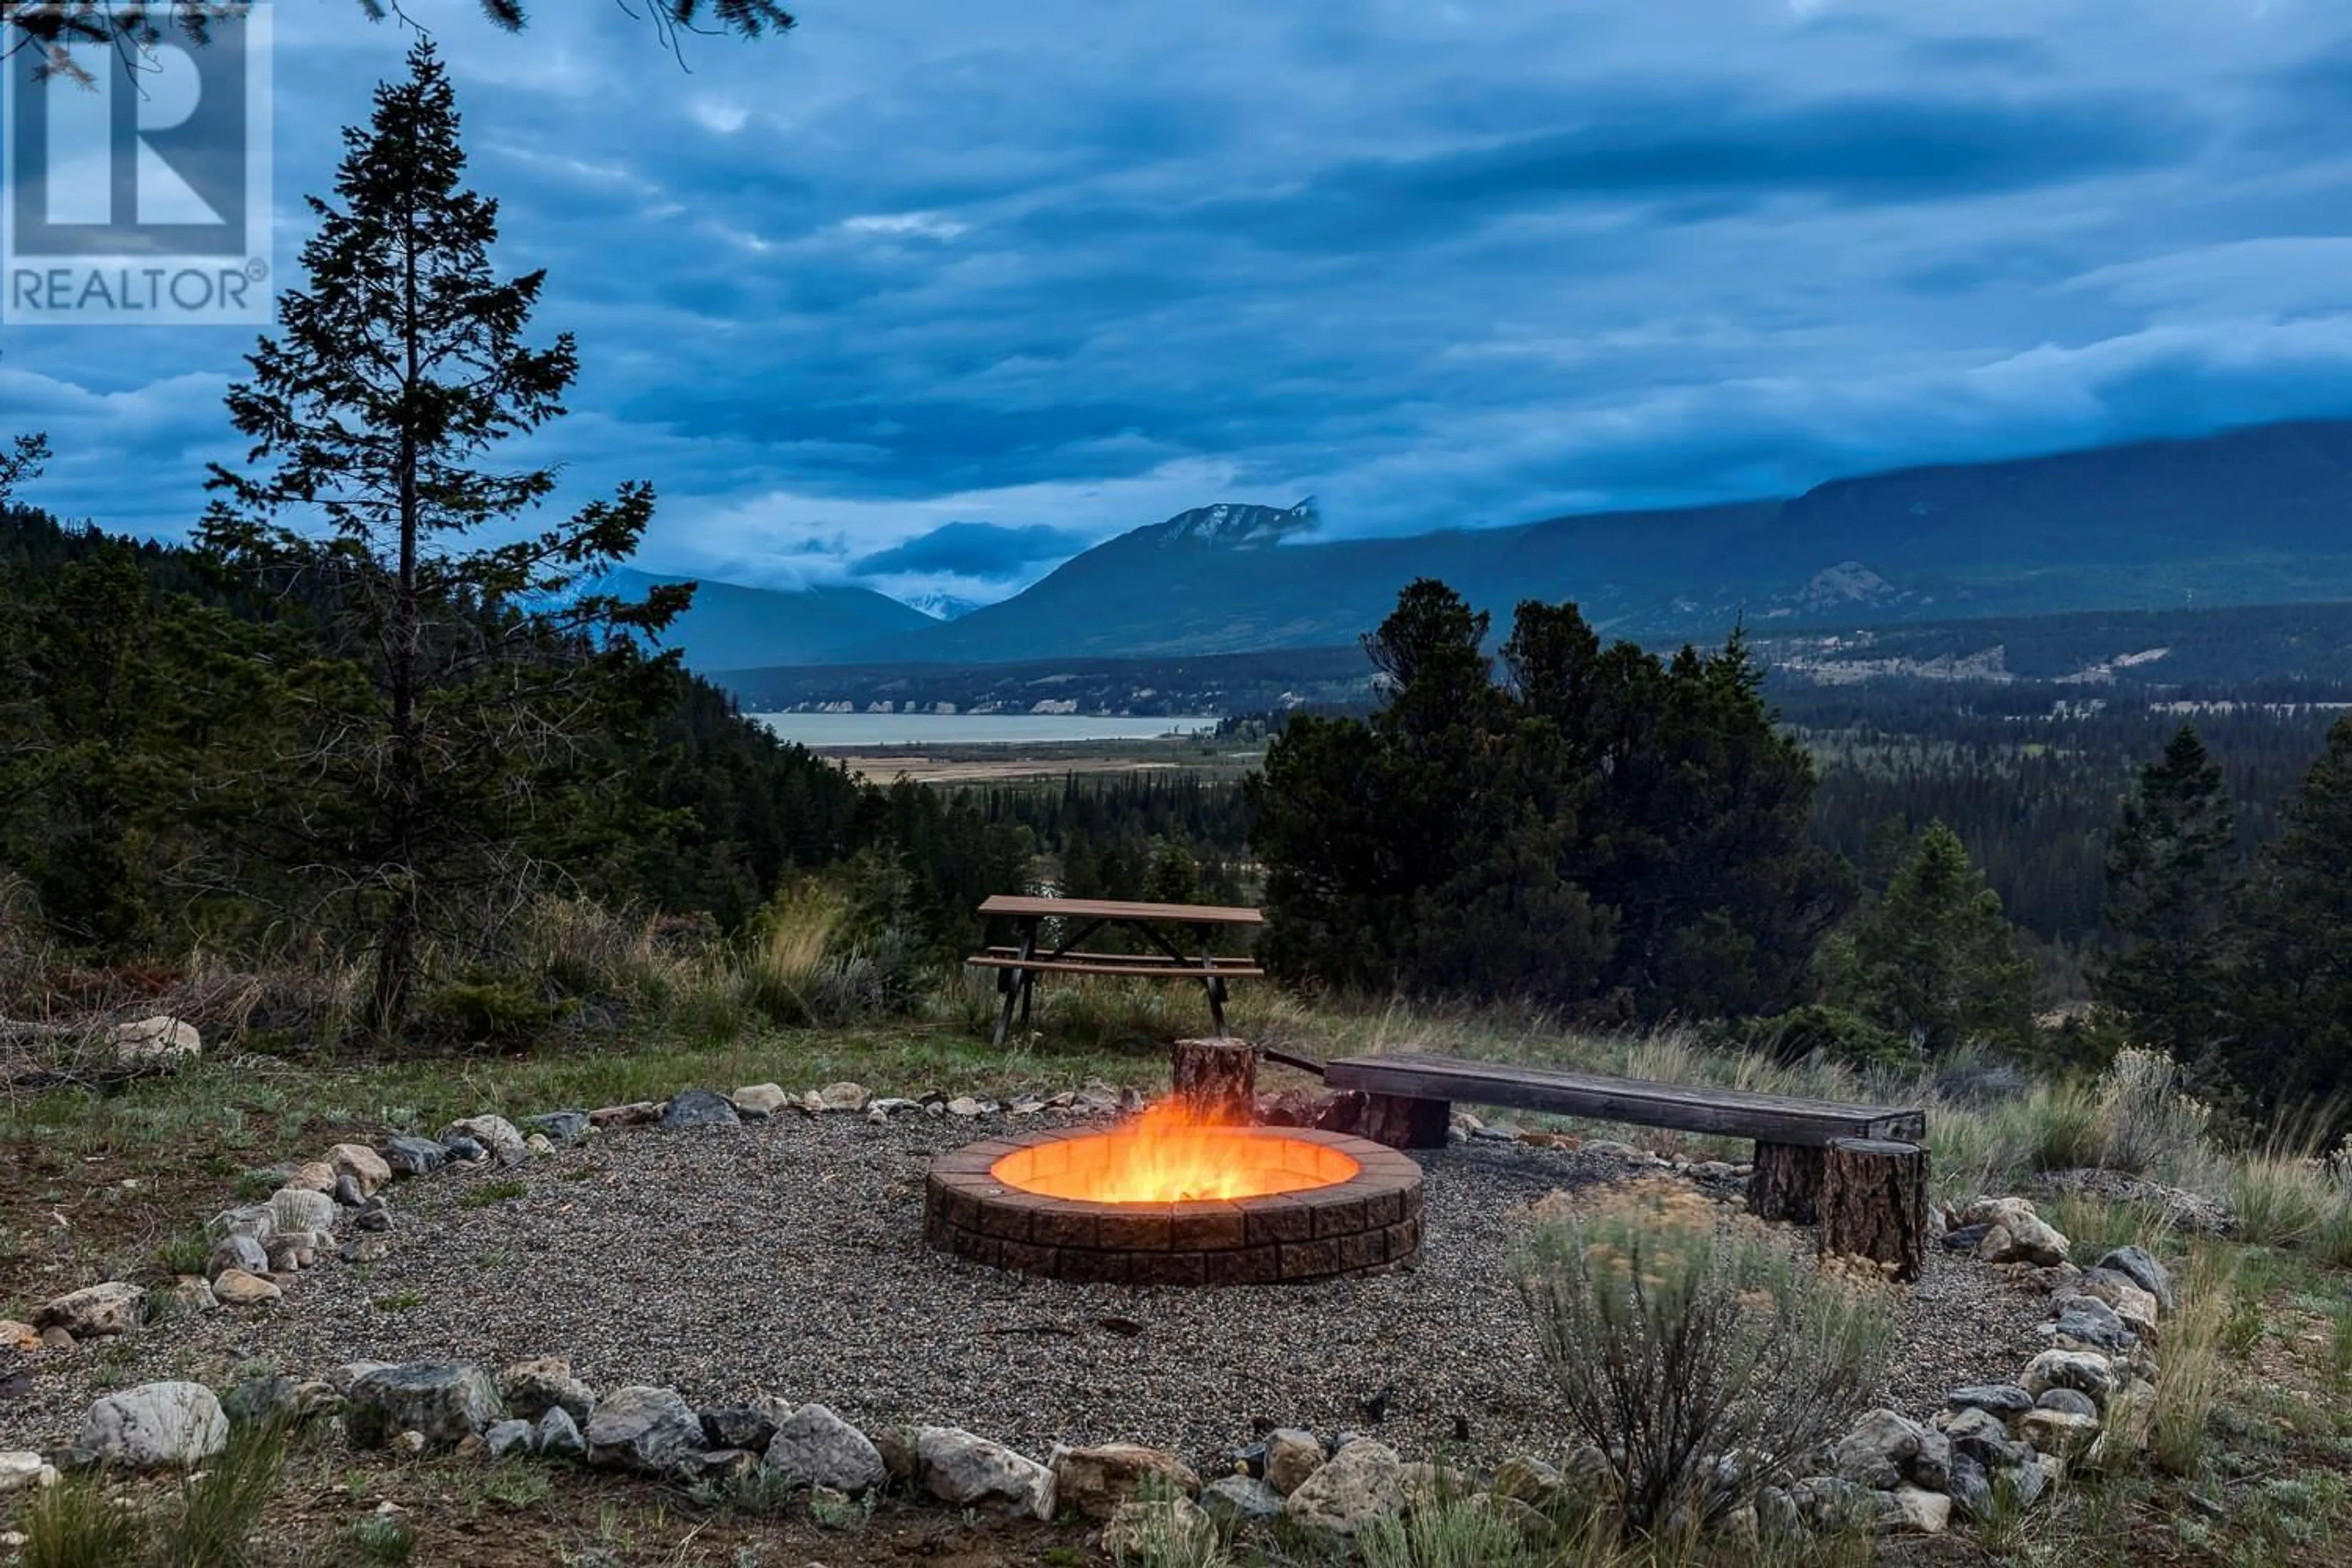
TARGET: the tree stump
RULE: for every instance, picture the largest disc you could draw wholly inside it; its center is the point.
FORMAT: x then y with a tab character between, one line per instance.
1874	1203
1786	1183
1216	1082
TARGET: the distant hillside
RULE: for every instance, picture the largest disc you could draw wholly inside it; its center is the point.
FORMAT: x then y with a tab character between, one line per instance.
2281	649
733	627
2255	516
1215	683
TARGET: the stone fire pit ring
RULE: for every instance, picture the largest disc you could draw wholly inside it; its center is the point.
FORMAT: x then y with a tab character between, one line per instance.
1364	1221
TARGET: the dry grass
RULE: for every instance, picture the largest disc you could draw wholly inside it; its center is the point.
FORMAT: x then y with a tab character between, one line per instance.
2189	1373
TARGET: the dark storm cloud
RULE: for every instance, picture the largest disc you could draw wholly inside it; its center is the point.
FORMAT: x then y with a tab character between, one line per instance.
982	549
917	292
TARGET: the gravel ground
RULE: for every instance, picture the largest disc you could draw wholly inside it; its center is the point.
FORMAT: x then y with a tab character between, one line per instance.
787	1259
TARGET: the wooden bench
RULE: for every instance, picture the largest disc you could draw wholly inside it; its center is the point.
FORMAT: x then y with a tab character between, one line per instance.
1180	936
1410	1103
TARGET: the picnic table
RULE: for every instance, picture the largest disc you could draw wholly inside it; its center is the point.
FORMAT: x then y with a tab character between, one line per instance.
1180	939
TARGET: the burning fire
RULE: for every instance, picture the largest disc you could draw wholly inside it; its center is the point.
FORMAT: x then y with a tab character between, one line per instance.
1166	1156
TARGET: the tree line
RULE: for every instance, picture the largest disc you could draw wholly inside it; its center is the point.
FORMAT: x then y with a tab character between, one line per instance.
1617	834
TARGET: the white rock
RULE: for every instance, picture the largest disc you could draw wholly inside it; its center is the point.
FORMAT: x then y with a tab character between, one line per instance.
1362	1482
157	1425
760	1098
21	1472
495	1134
967	1472
296	1208
160	1040
113	1308
362	1165
1928	1513
850	1097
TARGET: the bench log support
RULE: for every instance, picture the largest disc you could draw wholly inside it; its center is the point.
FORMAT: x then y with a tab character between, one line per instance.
1403	1121
1874	1203
1786	1183
1216	1080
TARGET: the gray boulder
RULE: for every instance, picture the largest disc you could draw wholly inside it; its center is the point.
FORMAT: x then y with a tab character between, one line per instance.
532	1388
749	1428
447	1402
158	1425
235	1251
2086	1371
560	1126
2091	1322
650	1429
2143	1270
2067	1400
508	1439
1972	1488
816	1446
967	1472
700	1107
2005	1400
410	1156
559	1435
1879	1451
1237	1501
1983	1437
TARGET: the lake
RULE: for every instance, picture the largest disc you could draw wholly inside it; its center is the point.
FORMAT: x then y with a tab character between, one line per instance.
858	730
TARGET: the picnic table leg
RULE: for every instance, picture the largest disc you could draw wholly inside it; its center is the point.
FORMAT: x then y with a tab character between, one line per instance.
1214	983
1017	984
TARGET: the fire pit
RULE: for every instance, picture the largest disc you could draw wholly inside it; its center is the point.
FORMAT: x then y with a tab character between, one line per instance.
1168	1201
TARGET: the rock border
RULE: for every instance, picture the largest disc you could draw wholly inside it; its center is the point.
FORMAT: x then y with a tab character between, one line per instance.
2090	1396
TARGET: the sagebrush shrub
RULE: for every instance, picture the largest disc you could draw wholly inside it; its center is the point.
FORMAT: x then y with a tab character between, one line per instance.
1694	1351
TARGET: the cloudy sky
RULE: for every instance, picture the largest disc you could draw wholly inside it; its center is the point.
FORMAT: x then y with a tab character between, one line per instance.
930	296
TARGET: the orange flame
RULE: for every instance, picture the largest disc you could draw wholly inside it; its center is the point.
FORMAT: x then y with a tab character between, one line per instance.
1168	1155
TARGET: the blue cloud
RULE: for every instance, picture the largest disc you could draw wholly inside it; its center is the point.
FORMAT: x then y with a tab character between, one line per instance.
984	550
915	291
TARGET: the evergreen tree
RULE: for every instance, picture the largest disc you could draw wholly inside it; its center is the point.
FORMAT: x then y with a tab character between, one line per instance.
2168	872
2288	1027
1602	831
453	728
1935	959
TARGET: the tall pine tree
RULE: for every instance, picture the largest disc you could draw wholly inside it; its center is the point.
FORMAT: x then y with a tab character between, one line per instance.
2170	867
2288	1024
465	719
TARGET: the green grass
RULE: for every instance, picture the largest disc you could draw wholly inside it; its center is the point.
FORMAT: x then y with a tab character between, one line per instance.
482	1194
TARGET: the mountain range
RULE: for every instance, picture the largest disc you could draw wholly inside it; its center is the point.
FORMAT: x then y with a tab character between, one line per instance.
2259	515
